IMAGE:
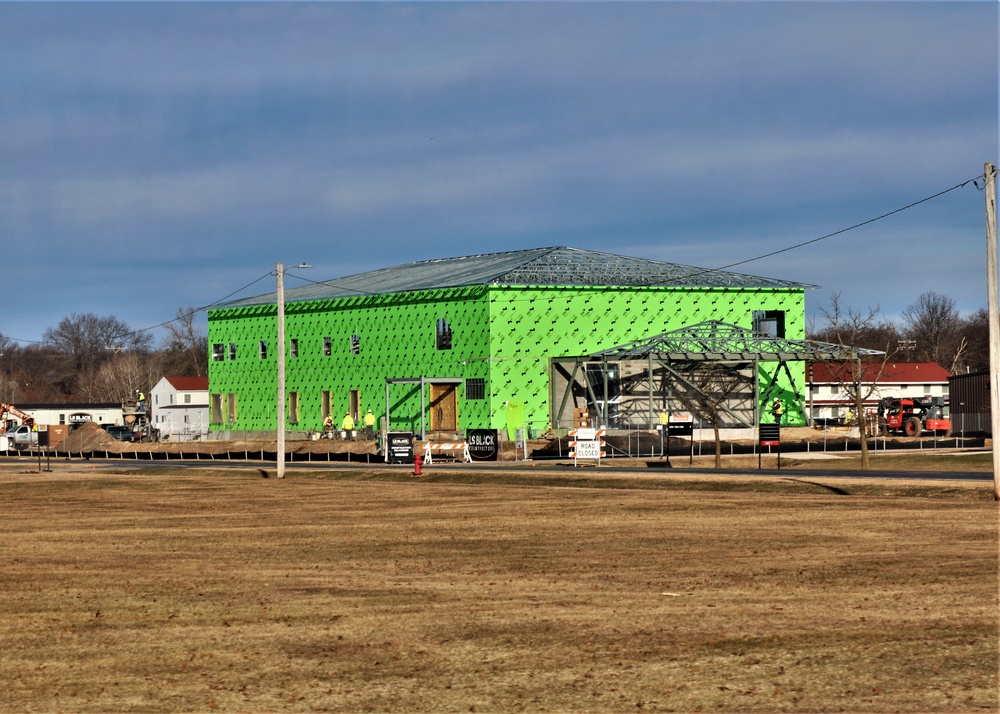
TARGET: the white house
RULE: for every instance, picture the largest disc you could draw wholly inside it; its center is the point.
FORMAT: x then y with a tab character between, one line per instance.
179	408
827	399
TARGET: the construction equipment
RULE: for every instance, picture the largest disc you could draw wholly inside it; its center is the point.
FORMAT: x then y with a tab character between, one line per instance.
25	418
136	418
911	416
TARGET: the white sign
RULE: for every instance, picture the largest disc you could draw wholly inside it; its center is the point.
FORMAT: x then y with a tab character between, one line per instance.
588	450
584	434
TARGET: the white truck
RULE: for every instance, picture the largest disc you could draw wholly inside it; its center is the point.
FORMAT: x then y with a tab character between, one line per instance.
21	437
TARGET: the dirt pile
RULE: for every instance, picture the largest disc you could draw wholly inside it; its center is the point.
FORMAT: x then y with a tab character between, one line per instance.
89	437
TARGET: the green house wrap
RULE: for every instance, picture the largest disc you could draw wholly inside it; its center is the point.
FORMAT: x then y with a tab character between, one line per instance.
446	345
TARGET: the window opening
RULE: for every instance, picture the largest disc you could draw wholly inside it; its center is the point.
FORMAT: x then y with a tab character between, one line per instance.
355	404
355	344
475	388
217	353
443	334
327	346
293	348
216	408
232	350
293	407
263	349
769	323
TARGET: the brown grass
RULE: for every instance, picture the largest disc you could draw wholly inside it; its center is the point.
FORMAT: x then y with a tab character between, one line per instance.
222	591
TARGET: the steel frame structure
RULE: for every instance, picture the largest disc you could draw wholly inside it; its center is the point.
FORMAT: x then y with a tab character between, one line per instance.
657	363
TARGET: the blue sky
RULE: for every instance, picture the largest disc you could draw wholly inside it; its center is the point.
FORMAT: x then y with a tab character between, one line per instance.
154	156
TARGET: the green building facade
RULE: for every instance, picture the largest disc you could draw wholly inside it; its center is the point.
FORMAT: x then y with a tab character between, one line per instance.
450	345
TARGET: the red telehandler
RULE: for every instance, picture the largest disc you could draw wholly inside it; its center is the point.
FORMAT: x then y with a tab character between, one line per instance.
911	416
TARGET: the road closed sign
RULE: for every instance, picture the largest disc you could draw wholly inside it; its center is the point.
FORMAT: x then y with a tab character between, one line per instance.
586	444
588	450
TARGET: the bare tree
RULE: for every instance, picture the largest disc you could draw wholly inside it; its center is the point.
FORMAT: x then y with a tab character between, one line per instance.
934	324
185	348
34	374
856	378
975	336
124	374
713	390
85	341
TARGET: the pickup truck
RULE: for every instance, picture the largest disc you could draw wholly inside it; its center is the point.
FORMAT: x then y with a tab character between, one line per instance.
22	437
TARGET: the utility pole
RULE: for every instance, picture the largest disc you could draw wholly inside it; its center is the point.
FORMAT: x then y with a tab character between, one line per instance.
281	371
281	364
994	317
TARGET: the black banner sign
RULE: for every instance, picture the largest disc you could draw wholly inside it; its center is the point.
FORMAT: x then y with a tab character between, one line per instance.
482	444
680	428
399	445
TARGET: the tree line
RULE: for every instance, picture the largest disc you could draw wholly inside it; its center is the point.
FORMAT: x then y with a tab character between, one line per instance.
89	358
931	329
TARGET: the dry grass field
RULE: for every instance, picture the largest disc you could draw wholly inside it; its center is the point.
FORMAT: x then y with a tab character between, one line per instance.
224	591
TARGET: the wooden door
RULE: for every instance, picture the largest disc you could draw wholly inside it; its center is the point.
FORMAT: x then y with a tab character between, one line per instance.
444	407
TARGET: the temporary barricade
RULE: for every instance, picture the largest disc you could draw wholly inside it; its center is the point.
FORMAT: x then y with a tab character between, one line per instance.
586	444
454	446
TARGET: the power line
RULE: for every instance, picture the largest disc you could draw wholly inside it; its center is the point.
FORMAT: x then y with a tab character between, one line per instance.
850	228
167	322
974	181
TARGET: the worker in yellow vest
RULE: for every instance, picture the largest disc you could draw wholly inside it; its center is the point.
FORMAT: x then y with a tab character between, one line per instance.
777	409
347	426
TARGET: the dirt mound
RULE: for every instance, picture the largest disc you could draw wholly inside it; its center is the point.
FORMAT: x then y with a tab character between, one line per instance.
88	437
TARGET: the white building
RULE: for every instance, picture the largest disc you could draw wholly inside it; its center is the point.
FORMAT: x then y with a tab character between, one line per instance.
179	408
826	398
51	414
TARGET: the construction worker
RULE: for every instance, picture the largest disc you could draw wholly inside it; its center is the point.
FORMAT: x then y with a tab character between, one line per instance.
849	417
369	424
777	409
140	399
328	426
347	426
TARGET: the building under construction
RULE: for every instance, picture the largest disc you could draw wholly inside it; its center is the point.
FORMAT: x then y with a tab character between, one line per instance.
479	342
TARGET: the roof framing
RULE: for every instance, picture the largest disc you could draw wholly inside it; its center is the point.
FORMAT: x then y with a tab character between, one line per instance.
553	266
715	340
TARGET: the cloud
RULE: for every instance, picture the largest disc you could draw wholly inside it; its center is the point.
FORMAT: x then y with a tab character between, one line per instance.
238	134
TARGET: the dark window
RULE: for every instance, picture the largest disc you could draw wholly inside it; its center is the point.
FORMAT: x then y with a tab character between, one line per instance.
263	349
217	352
355	344
293	348
327	346
769	323
232	350
475	388
443	334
